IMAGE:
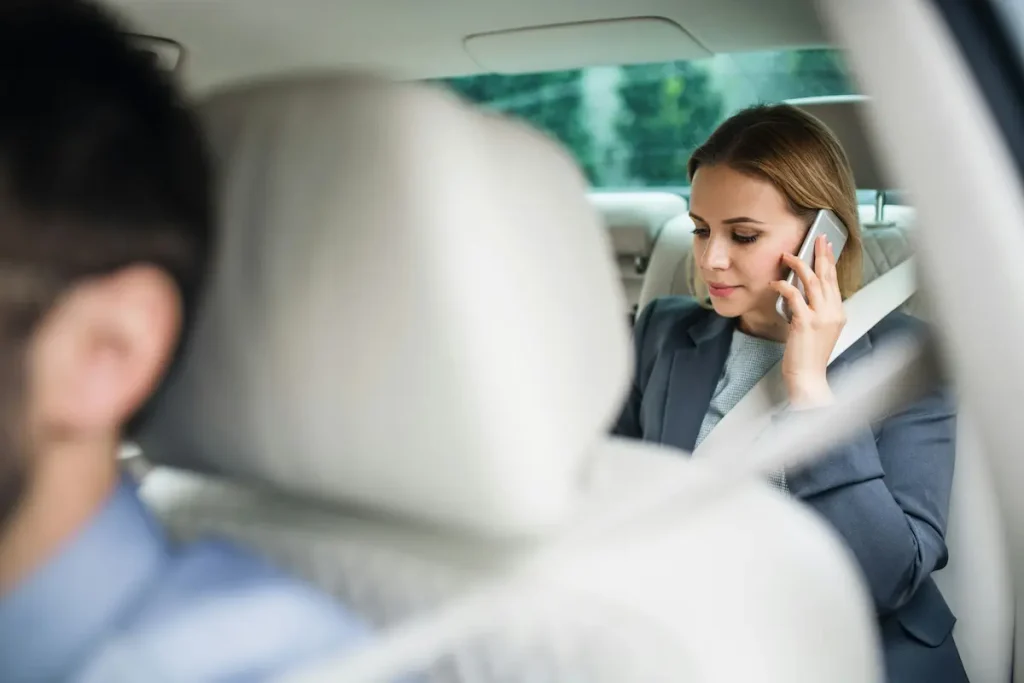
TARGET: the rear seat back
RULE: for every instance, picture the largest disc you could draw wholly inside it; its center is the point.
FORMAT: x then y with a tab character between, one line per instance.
634	221
671	266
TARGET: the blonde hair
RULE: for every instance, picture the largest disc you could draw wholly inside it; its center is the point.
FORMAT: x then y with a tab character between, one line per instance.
801	157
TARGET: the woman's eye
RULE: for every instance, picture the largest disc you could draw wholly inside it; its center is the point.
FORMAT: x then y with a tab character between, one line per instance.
744	239
701	232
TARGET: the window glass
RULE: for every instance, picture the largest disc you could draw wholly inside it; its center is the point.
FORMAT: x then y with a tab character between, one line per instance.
636	126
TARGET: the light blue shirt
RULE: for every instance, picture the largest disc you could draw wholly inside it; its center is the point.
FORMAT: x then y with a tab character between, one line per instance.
120	602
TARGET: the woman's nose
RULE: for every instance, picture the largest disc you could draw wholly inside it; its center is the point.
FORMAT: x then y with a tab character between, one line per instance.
716	255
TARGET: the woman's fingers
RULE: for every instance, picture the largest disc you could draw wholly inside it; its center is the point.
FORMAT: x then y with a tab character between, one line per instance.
810	280
822	257
825	267
797	306
831	311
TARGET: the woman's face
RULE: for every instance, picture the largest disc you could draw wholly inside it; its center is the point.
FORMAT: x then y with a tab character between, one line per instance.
743	226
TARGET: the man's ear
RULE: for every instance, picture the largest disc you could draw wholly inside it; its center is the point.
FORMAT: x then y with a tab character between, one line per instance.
100	353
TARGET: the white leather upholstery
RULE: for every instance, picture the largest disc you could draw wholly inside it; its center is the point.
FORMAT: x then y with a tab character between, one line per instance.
671	268
490	420
750	588
396	411
844	116
977	582
635	220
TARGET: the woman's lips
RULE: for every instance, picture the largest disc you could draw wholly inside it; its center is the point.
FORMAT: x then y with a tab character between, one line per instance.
720	290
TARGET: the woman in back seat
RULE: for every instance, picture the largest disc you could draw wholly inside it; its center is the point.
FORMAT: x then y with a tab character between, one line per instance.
757	184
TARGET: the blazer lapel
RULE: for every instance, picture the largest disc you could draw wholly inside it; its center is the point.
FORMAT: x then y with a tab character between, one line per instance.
694	373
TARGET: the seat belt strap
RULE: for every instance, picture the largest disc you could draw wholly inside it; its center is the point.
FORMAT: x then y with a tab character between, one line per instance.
864	310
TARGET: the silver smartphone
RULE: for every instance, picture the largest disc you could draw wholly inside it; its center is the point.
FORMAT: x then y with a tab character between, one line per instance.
825	223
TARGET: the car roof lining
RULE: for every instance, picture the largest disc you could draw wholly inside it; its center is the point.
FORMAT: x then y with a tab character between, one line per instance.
232	40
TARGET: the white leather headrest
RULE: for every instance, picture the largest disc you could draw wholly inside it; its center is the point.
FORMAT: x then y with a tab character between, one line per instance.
635	219
845	118
414	309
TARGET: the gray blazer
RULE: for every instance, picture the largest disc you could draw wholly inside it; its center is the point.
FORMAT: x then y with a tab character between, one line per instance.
886	491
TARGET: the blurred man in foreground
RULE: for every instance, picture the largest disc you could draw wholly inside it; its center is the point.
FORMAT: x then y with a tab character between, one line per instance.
105	232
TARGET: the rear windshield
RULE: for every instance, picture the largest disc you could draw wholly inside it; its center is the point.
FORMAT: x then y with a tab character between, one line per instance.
636	126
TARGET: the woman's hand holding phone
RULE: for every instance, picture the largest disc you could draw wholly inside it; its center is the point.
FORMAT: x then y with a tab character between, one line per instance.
814	327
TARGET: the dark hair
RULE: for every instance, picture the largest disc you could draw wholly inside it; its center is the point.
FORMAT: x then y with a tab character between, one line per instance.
803	159
102	162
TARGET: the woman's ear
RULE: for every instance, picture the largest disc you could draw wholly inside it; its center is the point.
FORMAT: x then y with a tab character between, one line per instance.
100	353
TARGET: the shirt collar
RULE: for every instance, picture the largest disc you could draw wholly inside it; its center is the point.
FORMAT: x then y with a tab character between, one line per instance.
66	608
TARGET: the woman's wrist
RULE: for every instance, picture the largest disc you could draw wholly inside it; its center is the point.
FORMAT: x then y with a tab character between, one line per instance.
809	393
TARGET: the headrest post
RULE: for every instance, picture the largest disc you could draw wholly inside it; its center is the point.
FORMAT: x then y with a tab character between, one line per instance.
879	206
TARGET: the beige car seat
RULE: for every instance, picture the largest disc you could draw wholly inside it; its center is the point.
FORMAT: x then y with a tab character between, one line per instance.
635	220
400	442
